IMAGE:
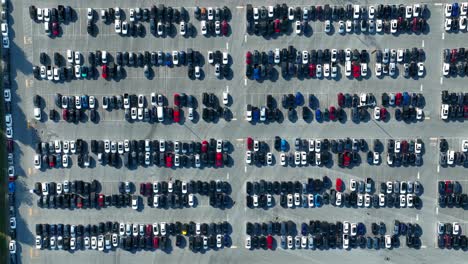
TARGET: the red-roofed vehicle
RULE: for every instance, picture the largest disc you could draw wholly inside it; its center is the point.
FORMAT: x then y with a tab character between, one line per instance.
169	160
104	71
339	185
204	147
249	143
176	114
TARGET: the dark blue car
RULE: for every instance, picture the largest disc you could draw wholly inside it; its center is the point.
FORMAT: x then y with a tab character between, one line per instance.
304	229
182	57
84	101
168	59
256	115
318	115
455	10
256	74
361	229
11	187
299	100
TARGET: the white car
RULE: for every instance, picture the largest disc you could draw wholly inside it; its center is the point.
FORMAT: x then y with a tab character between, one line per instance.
290	200
356	12
388	241
455	228
326	70
363	69
419	113
367	200
100	243
378	69
464	9
376	158
345	241
248	242
462	23
360	200
377	113
291	13
283	159
450	157
65	160
38	242
448	10
381	200
409	199
90	13
298	27
93	242
444	109
378	25
328	26
319	70
277	56
248	157
349	26
217	27
448	24
4	28
420	69
348	68
297	158
225	58
409	11
341	27
303	158
339	198
446	69
160	28
210	13
346	227
118	26
37	161
46	14
352	185
402	200
269	158
371	12
203	27
182	28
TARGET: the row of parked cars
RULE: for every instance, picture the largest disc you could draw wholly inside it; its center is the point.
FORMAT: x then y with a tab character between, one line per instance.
413	65
324	235
450	236
6	85
107	236
52	17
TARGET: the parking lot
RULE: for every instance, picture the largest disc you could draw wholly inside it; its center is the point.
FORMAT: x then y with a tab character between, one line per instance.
28	40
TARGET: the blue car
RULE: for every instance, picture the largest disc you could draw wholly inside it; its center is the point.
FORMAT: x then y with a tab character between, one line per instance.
304	229
318	115
284	145
182	57
168	59
361	229
318	200
84	101
256	74
455	10
406	98
11	187
299	100
256	115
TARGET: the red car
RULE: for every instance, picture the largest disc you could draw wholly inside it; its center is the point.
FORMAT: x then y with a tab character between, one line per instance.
415	24
219	159
339	185
383	113
176	99
448	187
346	159
149	189
277	26
332	112
465	111
79	202
453	56
404	146
169	161
398	98
249	143
312	70
55	29
65	114
101	200
155	242
204	146
149	230
356	70
248	58
270	242
340	99
224	28
104	71
176	114
52	161
10	145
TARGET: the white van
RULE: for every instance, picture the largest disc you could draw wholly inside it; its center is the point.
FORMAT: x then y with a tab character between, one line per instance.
160	111
47	28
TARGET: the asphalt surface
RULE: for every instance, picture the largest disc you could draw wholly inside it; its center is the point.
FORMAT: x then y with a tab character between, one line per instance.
29	40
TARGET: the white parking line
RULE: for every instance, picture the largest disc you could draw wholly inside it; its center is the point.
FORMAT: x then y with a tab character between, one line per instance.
427	117
245	38
417	217
421	87
418	175
437	4
228	176
234	119
227	45
438	168
245	81
443	35
239	139
422	44
437	210
227	88
441	80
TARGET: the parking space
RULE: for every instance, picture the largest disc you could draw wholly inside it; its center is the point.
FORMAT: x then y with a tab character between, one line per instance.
28	40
